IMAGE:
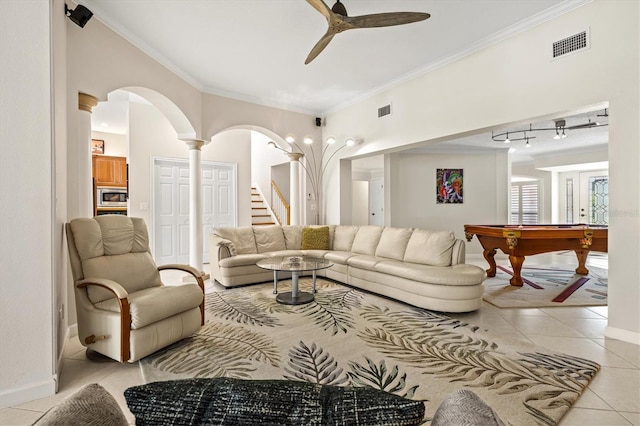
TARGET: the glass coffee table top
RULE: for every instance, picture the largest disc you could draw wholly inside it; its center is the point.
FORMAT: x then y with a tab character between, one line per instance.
295	265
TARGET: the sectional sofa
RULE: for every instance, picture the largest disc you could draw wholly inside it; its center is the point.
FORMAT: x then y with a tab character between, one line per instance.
421	267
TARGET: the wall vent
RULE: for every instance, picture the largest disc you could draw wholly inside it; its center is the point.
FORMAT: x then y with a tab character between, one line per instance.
571	44
385	110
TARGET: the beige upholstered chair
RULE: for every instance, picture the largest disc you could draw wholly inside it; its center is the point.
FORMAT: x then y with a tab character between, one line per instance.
124	310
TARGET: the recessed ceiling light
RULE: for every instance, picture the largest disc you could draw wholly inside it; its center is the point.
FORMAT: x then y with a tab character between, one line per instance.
103	124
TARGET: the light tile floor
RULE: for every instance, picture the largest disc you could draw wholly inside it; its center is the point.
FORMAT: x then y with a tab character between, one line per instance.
612	398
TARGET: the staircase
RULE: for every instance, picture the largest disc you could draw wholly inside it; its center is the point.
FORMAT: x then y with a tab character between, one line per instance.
259	211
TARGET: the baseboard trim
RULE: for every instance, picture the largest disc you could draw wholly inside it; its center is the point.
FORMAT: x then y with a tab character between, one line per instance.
28	393
624	335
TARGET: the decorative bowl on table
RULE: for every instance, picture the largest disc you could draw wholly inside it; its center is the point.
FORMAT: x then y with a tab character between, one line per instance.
295	259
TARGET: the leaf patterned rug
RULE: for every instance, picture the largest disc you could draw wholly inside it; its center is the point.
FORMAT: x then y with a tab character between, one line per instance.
350	337
547	286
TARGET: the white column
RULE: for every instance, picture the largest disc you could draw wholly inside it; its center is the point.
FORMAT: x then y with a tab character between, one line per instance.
294	187
195	203
85	190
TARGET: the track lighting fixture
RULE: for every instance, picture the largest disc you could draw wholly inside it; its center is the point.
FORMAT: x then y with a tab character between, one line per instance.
560	128
79	16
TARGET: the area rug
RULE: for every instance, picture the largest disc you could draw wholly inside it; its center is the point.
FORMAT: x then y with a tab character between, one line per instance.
349	337
547	286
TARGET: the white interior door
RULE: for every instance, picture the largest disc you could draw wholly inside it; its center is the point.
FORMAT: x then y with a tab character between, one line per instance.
377	201
171	206
594	197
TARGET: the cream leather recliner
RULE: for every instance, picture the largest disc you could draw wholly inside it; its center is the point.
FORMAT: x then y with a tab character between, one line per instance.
124	310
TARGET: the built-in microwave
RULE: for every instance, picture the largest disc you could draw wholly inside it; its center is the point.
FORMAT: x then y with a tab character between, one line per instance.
111	197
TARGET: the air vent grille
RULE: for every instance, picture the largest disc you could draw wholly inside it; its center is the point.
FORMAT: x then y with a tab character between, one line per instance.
571	44
383	111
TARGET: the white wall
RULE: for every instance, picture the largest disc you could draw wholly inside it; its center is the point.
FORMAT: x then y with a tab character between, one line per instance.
27	193
360	202
478	92
412	192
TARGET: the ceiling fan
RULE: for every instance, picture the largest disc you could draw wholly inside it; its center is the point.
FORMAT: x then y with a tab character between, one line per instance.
339	21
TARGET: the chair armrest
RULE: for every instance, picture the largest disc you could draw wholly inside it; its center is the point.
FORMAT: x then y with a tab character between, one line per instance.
181	267
196	274
186	268
110	285
125	313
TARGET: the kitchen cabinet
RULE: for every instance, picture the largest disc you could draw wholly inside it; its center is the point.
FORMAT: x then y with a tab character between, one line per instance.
109	171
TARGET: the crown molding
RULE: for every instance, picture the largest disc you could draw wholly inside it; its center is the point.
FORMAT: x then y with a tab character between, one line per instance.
517	28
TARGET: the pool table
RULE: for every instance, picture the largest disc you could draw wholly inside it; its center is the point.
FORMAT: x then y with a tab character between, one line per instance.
519	241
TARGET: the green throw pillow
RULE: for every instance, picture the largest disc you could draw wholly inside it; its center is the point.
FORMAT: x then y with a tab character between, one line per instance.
316	238
227	401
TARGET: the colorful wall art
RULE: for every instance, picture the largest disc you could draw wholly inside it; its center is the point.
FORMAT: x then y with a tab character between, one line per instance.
449	186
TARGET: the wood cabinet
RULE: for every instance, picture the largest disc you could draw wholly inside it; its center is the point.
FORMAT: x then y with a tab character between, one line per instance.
109	171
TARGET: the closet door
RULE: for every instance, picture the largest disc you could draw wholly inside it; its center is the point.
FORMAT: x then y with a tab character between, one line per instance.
171	206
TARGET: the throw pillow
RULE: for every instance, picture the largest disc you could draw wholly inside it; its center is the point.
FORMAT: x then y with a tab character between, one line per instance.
91	405
315	238
227	401
464	407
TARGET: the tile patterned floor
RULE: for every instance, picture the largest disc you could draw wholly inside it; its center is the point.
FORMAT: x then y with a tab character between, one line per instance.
613	398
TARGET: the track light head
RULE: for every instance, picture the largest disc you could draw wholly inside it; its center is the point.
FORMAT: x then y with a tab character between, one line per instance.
79	16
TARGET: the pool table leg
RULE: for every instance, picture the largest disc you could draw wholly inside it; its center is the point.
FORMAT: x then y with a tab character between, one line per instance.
516	265
582	260
489	257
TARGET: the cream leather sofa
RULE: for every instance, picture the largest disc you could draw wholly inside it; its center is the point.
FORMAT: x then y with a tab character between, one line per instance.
417	266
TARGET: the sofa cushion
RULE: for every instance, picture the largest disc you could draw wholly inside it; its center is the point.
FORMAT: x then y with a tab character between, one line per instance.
343	237
241	260
366	239
269	238
430	247
315	238
393	242
154	304
242	238
363	261
228	401
463	407
90	405
339	257
292	236
457	275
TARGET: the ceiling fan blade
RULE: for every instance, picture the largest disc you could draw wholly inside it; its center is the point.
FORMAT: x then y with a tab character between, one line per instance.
321	7
386	19
319	47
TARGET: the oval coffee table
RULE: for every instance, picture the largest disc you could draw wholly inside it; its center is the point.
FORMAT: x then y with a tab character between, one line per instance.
295	265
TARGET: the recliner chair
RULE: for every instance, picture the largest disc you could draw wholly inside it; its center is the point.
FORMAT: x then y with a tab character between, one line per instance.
124	310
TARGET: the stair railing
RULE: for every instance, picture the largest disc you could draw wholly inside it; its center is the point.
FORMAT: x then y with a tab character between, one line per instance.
279	205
